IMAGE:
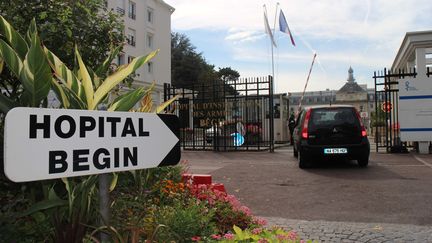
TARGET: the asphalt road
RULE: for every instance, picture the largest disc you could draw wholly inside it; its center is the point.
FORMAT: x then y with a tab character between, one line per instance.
395	188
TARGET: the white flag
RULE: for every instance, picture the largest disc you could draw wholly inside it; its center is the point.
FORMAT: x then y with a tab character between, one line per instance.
268	30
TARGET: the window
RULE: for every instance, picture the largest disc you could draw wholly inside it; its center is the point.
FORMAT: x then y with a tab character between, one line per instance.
131	37
132	10
121	7
150	67
149	40
150	15
120	59
130	58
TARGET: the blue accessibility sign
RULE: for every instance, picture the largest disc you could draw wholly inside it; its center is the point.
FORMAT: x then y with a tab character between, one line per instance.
238	139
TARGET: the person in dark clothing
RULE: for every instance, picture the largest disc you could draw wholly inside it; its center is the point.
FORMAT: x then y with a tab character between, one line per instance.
291	123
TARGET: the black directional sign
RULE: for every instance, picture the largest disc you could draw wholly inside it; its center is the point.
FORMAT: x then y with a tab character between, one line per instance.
54	143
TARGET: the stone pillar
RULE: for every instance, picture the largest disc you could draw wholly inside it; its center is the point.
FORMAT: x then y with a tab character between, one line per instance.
423	147
420	62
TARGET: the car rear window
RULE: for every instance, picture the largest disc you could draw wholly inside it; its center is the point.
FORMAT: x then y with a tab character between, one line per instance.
333	116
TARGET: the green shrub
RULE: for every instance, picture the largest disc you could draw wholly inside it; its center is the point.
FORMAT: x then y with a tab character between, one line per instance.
183	222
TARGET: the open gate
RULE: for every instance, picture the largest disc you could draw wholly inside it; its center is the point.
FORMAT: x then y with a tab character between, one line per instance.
233	115
385	120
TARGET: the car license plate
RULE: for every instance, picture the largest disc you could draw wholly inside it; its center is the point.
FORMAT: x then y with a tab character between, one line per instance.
335	151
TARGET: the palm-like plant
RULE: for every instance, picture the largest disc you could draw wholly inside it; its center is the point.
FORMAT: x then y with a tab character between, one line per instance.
34	65
39	70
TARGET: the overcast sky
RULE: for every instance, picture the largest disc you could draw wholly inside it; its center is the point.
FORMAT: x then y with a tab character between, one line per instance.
364	34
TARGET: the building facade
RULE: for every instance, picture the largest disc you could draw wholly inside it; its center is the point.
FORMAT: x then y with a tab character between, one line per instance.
147	28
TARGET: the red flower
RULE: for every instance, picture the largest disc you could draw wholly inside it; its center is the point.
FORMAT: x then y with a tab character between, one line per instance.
216	237
229	236
196	238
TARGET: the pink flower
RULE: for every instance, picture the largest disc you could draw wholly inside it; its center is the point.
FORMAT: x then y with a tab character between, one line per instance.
292	235
233	201
302	241
261	221
281	237
263	241
245	210
196	238
216	237
256	231
229	236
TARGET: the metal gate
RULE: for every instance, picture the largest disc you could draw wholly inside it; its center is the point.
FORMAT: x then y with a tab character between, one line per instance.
231	115
385	121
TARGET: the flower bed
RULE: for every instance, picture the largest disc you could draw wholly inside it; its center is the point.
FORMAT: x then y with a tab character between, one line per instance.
187	212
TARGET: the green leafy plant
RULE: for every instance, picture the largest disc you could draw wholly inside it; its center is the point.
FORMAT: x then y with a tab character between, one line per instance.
33	64
184	221
25	59
69	205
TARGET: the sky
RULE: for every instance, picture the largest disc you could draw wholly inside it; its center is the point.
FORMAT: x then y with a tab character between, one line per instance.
363	34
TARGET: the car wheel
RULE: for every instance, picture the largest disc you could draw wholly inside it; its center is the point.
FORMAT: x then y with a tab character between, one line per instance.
295	152
303	160
363	162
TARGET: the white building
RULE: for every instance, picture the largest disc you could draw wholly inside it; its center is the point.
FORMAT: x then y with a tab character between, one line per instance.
147	28
415	93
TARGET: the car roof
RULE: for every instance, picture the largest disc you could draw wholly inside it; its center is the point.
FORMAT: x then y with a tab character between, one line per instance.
328	106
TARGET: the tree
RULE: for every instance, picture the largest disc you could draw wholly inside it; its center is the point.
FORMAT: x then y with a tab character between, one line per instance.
187	66
228	74
62	24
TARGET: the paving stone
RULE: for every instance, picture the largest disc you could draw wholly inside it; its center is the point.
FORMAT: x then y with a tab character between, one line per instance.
358	235
326	231
331	235
347	241
353	237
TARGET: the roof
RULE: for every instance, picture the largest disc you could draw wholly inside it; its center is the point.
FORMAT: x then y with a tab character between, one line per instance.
327	106
412	40
171	8
351	87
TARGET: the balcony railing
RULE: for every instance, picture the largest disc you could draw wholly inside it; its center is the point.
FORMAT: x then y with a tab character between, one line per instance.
120	11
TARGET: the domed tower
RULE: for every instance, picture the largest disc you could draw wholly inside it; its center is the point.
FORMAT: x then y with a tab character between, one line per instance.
351	78
351	86
351	91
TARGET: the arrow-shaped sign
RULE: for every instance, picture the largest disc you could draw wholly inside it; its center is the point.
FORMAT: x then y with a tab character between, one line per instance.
54	143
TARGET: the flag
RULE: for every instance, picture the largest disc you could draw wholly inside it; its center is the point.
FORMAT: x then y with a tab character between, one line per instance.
283	26
268	30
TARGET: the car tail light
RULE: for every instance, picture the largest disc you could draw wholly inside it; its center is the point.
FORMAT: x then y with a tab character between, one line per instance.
363	129
304	132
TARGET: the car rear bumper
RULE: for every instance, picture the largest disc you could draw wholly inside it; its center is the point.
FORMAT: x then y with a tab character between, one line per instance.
353	151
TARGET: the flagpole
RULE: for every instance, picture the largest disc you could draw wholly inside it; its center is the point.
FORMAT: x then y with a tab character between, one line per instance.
271	41
274	28
307	81
271	108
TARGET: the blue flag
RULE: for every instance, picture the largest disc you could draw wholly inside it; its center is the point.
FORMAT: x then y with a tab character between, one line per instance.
283	26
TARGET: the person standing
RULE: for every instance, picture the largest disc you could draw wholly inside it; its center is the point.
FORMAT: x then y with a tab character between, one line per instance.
291	124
